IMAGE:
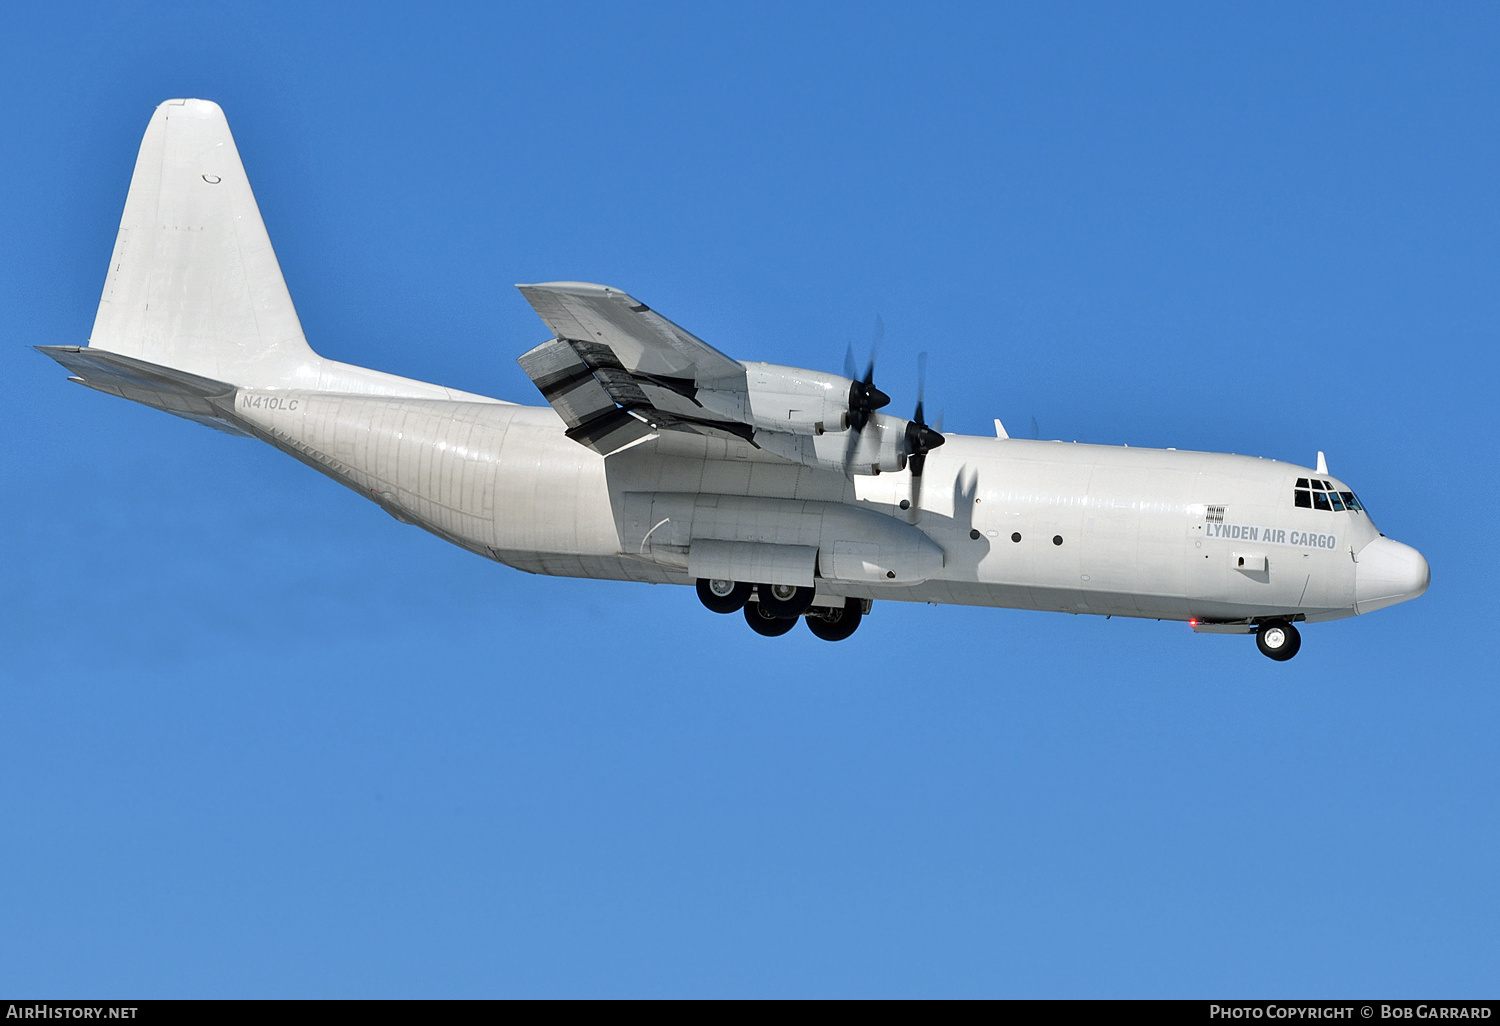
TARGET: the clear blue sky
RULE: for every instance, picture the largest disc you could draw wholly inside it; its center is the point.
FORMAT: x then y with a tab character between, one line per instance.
257	738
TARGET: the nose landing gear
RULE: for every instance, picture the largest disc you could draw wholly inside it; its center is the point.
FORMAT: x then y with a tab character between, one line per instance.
1278	639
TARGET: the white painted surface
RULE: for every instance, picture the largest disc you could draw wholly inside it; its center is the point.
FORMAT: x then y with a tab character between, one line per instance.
195	319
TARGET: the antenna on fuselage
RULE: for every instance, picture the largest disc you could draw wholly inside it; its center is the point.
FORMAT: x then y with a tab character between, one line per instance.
1322	467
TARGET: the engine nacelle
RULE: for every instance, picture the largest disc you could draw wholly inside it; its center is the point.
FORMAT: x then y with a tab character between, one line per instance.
879	449
796	400
790	399
805	416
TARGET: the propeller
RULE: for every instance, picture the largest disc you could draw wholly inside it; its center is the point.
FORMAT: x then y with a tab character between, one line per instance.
864	397
920	439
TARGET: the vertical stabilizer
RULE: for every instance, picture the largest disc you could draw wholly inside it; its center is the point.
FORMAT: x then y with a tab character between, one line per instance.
194	305
194	284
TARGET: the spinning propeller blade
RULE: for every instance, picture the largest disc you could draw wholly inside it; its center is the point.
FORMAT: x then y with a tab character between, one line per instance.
920	439
864	397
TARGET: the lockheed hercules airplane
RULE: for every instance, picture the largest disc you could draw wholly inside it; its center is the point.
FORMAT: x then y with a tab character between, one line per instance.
780	492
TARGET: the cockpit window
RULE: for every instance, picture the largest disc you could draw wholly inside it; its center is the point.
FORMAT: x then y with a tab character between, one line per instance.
1315	494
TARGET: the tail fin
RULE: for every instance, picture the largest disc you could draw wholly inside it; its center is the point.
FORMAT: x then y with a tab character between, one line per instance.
194	284
194	307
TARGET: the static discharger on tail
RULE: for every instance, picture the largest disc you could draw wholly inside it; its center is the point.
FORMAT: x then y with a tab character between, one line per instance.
779	492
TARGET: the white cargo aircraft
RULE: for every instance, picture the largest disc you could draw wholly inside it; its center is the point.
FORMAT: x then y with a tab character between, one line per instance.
779	492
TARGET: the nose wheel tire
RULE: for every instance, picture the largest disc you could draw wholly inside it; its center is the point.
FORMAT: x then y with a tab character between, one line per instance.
1278	639
784	600
836	624
765	625
723	596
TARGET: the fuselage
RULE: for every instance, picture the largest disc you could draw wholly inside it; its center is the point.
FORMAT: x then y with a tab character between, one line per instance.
1067	527
779	492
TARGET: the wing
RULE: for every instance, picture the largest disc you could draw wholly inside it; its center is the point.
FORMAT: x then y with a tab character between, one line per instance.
618	372
643	341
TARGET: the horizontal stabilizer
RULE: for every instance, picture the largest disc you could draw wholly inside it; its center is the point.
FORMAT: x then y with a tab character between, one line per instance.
165	388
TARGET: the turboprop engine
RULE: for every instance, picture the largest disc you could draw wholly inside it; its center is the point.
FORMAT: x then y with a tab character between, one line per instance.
822	420
793	399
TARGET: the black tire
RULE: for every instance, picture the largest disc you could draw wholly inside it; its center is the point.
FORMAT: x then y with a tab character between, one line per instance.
1278	640
784	600
730	601
767	626
836	624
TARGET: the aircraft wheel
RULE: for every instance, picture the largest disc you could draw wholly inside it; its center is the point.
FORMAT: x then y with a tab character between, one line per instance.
723	596
837	624
1278	639
767	626
784	600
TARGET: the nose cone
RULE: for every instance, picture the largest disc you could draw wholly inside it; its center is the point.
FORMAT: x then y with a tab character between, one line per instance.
1388	572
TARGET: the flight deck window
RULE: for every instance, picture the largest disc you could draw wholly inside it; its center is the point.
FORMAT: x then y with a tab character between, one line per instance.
1317	494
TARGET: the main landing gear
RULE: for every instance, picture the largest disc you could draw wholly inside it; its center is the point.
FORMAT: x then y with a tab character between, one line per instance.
836	624
765	624
723	596
778	607
1278	639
